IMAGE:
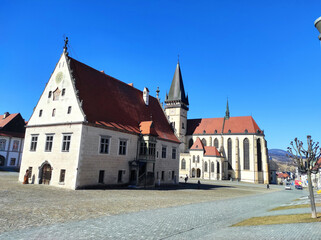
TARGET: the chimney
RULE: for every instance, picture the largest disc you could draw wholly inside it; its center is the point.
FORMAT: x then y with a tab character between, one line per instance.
6	114
146	95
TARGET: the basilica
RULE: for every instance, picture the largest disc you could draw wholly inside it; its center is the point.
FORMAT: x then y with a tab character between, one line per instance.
225	148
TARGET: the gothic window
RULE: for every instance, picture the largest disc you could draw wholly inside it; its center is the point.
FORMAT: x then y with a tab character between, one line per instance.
259	155
246	154
198	159
229	153
190	143
212	167
193	159
183	164
216	143
56	94
217	167
205	167
204	141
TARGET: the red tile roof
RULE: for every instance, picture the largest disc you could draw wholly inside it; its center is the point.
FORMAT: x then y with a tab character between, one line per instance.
208	150
215	125
147	128
4	122
108	102
12	134
211	151
198	145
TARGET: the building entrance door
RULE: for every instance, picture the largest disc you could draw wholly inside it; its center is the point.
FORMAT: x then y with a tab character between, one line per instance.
46	174
198	173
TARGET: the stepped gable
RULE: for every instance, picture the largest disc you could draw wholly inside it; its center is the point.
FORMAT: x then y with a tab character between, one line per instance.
111	103
210	125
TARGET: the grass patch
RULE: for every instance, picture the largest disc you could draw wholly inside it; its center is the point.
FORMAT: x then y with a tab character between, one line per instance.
280	219
294	206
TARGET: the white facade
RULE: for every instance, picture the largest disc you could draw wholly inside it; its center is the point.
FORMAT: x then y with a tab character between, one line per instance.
63	149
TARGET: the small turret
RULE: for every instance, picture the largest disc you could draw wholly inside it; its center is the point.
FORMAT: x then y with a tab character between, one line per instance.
227	112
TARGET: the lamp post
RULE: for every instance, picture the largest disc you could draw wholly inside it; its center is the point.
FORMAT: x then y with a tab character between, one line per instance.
317	24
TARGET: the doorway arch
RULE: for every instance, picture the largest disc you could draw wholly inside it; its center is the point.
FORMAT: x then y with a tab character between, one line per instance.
45	172
198	173
193	172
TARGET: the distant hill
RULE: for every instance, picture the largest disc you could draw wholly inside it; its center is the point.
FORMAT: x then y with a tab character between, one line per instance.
280	161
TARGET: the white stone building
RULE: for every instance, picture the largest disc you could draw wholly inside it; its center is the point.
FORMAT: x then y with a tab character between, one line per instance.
91	129
216	148
12	131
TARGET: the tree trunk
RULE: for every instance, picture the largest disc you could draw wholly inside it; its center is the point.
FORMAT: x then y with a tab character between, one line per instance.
312	203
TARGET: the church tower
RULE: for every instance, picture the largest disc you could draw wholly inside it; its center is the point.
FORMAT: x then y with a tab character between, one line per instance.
176	107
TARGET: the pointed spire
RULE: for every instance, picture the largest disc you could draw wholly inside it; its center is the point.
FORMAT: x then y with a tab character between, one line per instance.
177	91
227	112
157	93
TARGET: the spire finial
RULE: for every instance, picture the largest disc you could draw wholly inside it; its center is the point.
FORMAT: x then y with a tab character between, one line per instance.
227	112
177	58
157	93
66	43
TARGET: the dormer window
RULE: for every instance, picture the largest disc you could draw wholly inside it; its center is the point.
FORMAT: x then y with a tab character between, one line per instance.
204	132
215	131
229	131
258	131
246	131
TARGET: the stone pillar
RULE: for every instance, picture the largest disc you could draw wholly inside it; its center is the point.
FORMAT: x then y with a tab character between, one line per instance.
221	168
211	144
265	162
256	174
203	168
237	159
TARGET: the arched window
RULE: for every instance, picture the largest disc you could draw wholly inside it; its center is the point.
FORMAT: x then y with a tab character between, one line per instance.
229	153
205	167
246	154
212	167
259	155
193	159
217	167
190	143
183	164
204	141
216	143
198	159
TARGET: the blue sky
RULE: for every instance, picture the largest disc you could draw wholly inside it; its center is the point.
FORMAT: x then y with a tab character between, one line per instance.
263	55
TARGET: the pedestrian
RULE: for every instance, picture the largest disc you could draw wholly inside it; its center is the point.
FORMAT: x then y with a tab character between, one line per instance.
26	177
198	184
267	186
186	178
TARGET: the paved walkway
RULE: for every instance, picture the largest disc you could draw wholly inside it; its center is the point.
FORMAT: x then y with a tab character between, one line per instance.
210	220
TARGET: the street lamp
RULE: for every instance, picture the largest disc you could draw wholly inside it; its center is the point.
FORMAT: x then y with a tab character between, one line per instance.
317	24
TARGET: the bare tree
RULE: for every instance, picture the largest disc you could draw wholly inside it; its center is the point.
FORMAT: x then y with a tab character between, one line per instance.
307	161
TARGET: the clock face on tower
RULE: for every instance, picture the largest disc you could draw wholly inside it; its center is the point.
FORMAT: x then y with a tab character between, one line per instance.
59	77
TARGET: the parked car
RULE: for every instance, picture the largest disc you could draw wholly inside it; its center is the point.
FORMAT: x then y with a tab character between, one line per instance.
288	186
299	187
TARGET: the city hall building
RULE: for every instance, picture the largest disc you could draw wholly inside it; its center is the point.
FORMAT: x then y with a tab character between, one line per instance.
89	129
